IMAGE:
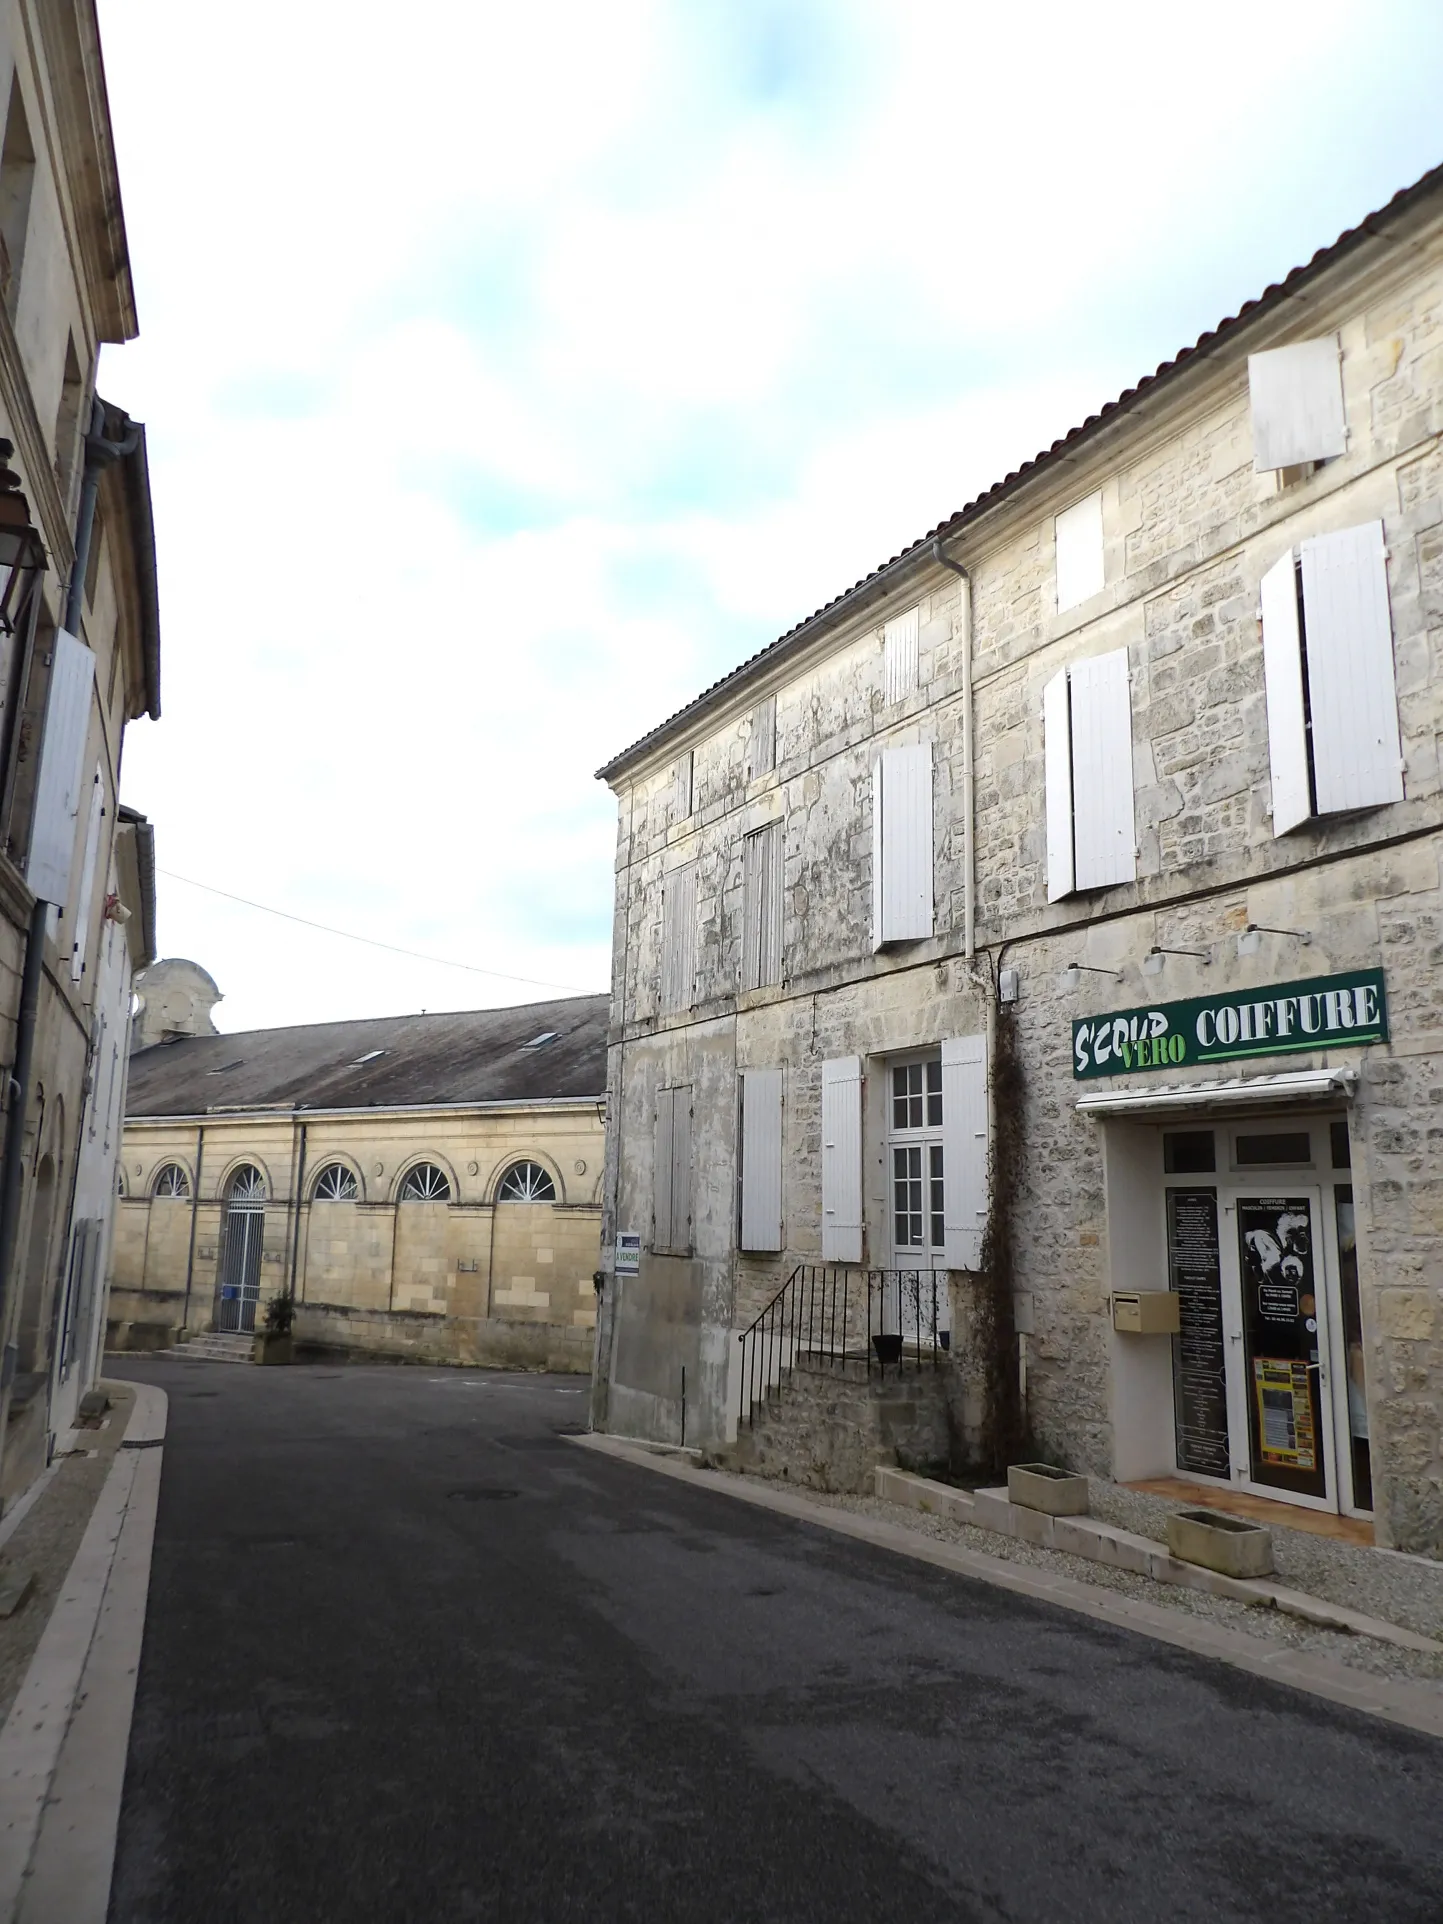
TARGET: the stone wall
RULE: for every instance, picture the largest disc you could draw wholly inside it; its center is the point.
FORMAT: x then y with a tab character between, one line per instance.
828	1426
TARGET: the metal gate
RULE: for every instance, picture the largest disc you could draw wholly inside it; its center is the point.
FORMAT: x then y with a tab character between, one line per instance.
240	1257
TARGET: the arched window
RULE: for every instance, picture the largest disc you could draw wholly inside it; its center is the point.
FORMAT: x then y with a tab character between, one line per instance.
171	1180
426	1183
335	1183
526	1182
247	1185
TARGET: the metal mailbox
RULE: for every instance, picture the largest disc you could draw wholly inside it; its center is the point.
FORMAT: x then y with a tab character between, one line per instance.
1145	1312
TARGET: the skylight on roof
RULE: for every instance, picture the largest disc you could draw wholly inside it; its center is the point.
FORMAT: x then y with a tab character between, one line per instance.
369	1056
540	1041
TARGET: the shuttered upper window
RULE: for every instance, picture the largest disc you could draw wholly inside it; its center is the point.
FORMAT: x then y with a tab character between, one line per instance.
759	1162
899	655
902	903
1087	751
671	1173
59	792
1079	553
762	758
1296	394
1333	741
678	940
762	907
681	787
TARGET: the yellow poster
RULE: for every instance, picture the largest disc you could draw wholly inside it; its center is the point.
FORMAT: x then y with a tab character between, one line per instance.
1285	1413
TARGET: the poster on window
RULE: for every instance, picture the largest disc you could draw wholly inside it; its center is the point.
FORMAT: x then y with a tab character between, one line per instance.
1285	1414
1280	1315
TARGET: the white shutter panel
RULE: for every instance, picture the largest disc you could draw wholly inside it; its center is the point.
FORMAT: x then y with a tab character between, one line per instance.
681	793
842	1160
964	1148
87	877
1057	767
1297	404
62	764
1079	553
1283	679
661	1171
1353	700
681	1168
902	860
899	647
678	940
762	907
764	737
761	1159
1104	834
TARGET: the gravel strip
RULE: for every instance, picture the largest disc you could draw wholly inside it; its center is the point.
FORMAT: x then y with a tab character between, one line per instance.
1268	1625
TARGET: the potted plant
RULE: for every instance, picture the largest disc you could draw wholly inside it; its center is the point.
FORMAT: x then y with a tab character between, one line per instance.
273	1341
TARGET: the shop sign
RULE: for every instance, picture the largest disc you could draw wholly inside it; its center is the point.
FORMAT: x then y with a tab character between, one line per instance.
1329	1012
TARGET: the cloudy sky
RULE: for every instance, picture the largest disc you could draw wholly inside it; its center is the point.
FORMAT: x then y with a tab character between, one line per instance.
510	372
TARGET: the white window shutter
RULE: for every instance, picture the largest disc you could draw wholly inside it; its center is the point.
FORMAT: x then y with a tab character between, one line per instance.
1104	835
681	787
1353	699
899	650
763	758
761	1159
678	940
1057	767
1283	681
1079	553
1297	404
964	1149
902	857
87	877
661	1171
62	764
842	1160
762	907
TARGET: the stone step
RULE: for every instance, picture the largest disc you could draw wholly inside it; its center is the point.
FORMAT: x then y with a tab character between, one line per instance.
217	1346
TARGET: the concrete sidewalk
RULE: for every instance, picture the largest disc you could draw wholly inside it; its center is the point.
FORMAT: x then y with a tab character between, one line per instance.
63	1746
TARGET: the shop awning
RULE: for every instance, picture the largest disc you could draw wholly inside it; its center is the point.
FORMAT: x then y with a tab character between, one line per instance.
1243	1092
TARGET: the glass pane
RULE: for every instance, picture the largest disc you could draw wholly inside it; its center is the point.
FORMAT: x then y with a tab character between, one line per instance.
934	1095
1281	1343
1283	1146
1342	1150
936	1198
1353	1344
1188	1152
899	1098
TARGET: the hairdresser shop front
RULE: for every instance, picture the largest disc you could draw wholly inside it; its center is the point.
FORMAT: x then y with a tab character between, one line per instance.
1237	1332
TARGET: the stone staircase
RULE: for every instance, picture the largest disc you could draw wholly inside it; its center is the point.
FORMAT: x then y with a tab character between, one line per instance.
214	1346
834	1421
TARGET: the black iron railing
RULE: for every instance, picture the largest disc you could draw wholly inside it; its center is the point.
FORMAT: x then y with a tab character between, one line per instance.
831	1313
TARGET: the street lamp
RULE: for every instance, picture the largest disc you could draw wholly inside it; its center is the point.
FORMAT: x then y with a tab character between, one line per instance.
22	552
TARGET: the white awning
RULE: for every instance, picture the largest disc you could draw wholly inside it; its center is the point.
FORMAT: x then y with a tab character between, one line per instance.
1245	1092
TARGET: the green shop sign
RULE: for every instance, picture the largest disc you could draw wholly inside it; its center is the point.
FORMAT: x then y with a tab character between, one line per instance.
1332	1011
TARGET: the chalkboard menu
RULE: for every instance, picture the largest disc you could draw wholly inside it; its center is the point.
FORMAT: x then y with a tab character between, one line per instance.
1199	1365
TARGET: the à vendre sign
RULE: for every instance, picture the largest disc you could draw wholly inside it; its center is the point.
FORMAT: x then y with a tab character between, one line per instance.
1329	1012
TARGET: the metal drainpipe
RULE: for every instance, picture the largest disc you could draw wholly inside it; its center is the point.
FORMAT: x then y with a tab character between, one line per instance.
99	454
194	1211
300	1192
969	893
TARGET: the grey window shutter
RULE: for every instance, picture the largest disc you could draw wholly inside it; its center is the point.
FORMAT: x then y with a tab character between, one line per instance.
1104	834
762	907
682	796
681	1168
842	1160
763	755
678	940
899	655
1079	554
1057	772
902	854
761	1159
661	1207
964	1149
1296	394
58	792
85	898
1352	694
1283	683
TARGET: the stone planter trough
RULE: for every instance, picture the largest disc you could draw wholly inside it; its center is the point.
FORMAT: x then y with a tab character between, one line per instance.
1037	1486
1229	1544
271	1349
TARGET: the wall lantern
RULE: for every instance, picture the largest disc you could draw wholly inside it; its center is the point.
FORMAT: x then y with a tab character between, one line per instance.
22	552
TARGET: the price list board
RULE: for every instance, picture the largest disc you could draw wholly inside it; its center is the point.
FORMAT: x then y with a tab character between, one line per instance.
1199	1365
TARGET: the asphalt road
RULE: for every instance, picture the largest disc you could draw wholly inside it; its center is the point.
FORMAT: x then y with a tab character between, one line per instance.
410	1655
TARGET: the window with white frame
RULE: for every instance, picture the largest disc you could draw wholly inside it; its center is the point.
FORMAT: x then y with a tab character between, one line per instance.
899	655
1078	534
426	1183
902	855
671	1172
678	940
526	1182
1296	398
171	1181
335	1183
762	907
915	1160
1087	756
1333	739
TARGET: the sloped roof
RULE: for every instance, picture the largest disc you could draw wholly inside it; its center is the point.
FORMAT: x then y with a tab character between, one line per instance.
478	1056
873	583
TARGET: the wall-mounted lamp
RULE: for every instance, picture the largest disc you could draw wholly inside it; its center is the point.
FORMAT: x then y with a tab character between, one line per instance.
1251	939
1153	960
1074	971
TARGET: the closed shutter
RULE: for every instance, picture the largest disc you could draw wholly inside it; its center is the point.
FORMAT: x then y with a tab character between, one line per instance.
681	787
764	737
842	1160
1079	553
762	907
1287	711
1104	837
678	940
761	1159
671	1171
964	1149
902	863
1352	695
87	877
1057	770
899	652
1297	404
62	764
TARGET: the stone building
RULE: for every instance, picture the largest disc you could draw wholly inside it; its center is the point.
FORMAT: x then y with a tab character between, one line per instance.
425	1186
1119	793
79	660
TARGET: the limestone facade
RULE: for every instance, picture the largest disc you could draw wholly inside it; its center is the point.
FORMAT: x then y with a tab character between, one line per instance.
1163	506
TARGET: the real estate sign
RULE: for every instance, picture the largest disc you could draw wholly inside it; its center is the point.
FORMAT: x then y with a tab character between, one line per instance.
1330	1012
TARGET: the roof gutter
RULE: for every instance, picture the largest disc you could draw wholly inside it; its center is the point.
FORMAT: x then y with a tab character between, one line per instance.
242	1112
969	811
135	478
